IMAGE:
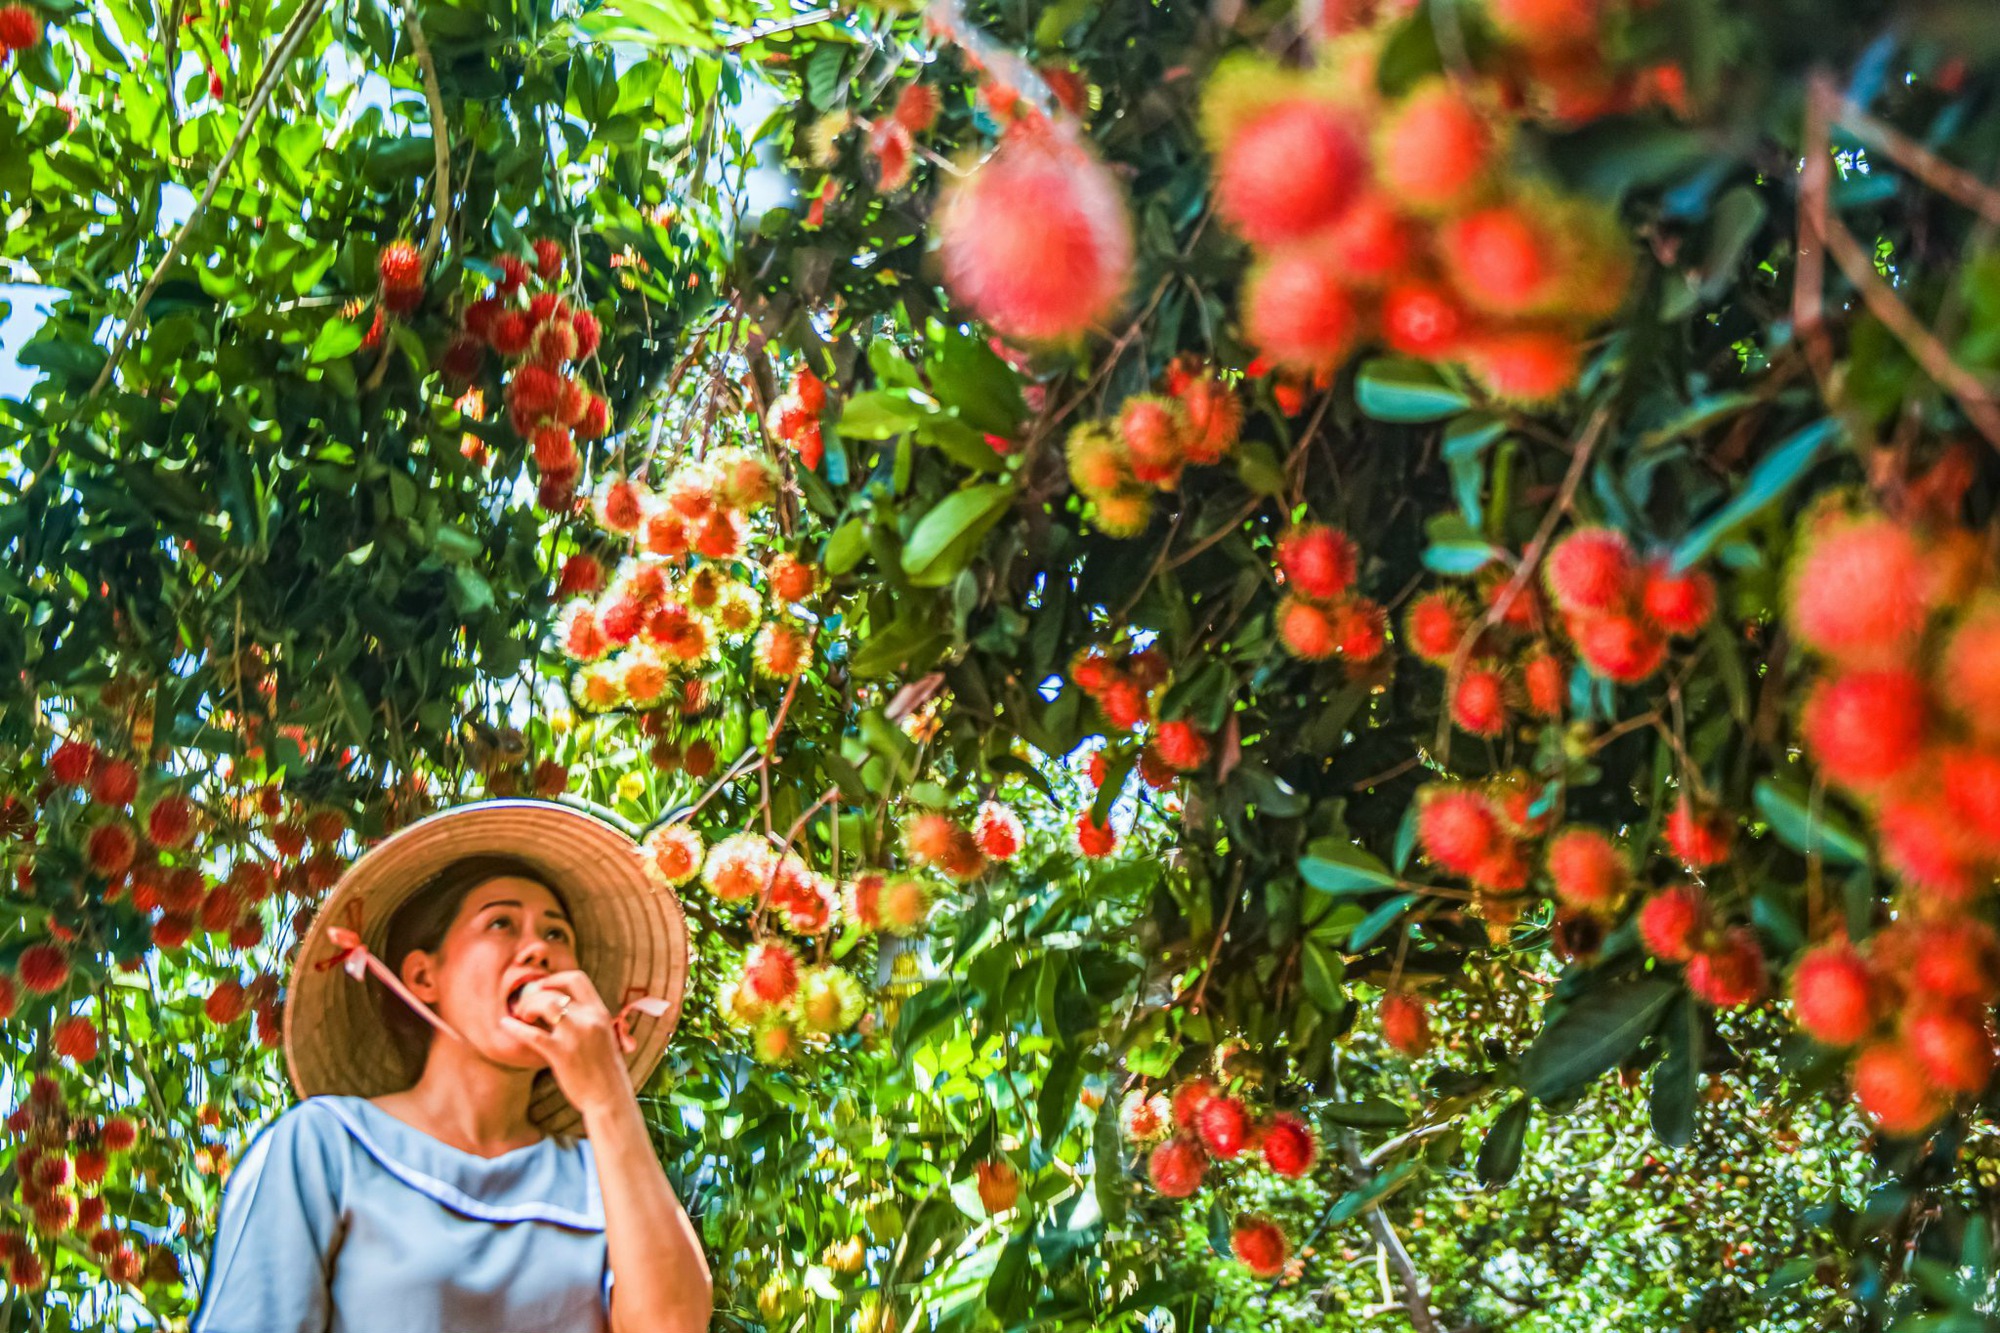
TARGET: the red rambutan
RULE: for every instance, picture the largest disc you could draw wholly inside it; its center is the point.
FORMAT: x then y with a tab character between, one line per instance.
1435	149
1895	1091
1289	171
1700	838
43	968
1856	592
1479	703
1318	561
1673	921
1289	1145
1586	868
1224	1126
1500	259
1405	1024
1969	676
1866	728
1037	239
1260	1244
74	1038
1591	570
114	782
1180	746
1457	828
1176	1167
71	762
1730	974
1954	1047
1619	647
771	972
1677	603
1095	840
1297	309
1834	996
1306	630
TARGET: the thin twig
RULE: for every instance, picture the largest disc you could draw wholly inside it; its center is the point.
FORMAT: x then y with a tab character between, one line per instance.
440	142
288	42
1942	176
1531	559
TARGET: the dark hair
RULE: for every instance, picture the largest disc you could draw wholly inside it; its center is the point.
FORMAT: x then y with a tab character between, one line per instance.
422	922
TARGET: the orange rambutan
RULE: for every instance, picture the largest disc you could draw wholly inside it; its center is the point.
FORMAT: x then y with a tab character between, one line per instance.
1289	170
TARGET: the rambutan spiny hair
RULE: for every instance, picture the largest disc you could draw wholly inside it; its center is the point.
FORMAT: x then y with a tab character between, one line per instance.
1037	240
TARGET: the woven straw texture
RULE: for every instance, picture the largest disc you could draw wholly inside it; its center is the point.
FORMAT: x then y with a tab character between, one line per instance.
631	941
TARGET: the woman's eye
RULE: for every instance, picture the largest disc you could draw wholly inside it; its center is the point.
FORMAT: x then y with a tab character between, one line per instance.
500	923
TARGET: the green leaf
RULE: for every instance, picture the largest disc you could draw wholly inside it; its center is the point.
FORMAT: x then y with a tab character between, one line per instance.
1107	1146
1333	866
1597	1031
337	338
1367	1113
943	540
1773	476
1380	920
879	414
1676	1078
1456	548
846	546
1321	972
1008	1292
1500	1155
1356	1202
1788	807
1392	389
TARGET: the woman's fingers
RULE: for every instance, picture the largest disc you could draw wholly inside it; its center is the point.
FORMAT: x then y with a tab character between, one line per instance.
537	1039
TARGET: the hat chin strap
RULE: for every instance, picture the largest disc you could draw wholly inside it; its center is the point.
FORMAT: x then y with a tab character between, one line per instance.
355	959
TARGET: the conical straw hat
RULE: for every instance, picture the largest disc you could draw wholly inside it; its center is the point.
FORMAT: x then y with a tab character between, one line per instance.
631	940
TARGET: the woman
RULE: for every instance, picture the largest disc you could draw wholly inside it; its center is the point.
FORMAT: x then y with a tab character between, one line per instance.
430	1181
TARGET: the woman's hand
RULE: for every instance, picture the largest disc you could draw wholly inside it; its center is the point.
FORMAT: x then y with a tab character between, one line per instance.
562	1018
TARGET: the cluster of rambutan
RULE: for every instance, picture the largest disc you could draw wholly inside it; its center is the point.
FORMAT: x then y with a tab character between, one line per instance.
1321	615
1037	239
794	420
1203	1124
1118	465
1549	61
642	634
59	1168
526	320
1395	220
1616	611
1902	721
1912	1003
1724	965
1484	833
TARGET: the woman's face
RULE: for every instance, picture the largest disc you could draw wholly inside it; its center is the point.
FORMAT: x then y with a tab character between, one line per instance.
507	933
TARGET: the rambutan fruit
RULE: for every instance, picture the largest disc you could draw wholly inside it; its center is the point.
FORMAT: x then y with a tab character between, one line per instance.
1479	702
1406	1026
1834	994
75	1039
42	968
1176	1167
903	905
999	1185
1095	840
1436	624
771	972
1546	25
1955	1048
1306	630
1215	420
829	1001
226	1003
776	1042
1866	728
549	257
1680	603
1435	150
1289	1146
1673	922
1699	837
400	266
1261	1246
581	635
114	782
1297	309
1181	746
738	867
20	28
535	392
1730	974
1423	320
792	579
119	1134
1143	1118
71	762
1289	170
1926	847
1125	704
1360	629
1122	513
110	848
721	535
1188	1099
1501	259
1947	961
1544	683
998	831
1456	827
1895	1090
1968	678
1154	429
1527	366
1097	459
1224	1126
1591	570
780	650
24	1269
1318	561
1371	244
1970	781
1855	592
55	1213
1036	240
1620	647
1586	869
510	336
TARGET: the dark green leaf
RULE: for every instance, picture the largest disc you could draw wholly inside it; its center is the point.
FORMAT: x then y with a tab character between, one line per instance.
1807	826
1500	1155
1389	389
1776	474
1332	866
1599	1029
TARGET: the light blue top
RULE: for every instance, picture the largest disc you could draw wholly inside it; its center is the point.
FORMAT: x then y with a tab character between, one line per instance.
340	1218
